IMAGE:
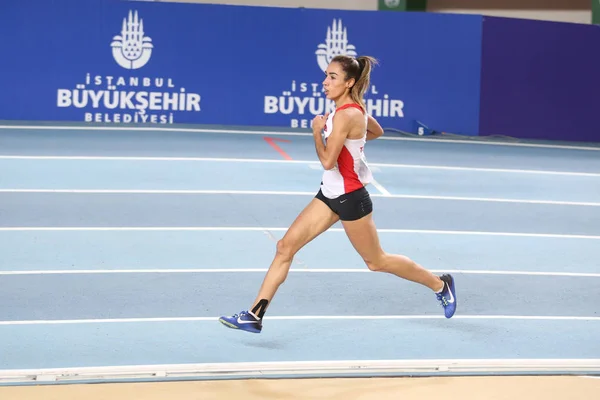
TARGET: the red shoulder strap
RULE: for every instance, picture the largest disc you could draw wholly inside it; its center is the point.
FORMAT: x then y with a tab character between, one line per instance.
351	105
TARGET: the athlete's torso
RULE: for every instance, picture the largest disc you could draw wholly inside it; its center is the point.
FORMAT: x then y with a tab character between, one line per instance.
351	171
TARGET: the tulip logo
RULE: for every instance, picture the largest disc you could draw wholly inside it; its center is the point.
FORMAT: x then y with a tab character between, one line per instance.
131	49
336	43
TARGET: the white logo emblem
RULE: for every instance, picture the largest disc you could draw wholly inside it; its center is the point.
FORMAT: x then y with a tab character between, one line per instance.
303	99
241	321
335	44
132	49
392	3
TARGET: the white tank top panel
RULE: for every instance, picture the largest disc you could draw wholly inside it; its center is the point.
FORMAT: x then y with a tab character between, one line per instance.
351	171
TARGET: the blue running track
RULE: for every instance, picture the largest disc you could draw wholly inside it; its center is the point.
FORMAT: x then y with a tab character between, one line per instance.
120	248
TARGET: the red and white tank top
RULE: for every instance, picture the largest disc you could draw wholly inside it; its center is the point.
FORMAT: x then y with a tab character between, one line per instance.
351	171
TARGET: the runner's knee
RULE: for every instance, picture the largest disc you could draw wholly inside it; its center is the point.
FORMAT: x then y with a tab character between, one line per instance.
285	250
374	266
376	263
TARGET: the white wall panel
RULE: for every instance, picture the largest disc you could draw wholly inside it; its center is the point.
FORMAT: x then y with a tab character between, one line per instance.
578	11
332	4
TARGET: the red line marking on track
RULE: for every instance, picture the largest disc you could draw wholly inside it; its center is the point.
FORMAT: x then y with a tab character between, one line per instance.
271	141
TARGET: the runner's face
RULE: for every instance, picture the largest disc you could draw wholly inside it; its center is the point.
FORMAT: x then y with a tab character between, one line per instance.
334	84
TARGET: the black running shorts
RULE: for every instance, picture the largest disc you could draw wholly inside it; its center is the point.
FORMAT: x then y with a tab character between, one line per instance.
350	206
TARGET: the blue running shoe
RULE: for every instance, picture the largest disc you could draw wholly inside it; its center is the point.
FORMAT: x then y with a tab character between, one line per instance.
244	321
448	295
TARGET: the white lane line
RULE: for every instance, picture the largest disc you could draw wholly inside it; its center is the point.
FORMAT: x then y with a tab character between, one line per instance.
304	317
475	141
478	169
161	191
384	193
312	164
292	270
382	190
282	229
498	200
301	317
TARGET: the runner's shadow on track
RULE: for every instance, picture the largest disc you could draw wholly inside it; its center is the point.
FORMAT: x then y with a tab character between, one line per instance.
264	344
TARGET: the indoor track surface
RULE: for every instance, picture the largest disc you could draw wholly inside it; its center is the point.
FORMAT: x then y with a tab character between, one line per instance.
121	247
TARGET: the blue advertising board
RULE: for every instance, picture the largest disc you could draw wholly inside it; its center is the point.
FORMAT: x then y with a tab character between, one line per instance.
116	61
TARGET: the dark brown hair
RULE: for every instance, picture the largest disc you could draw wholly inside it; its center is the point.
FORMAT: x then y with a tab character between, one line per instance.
359	69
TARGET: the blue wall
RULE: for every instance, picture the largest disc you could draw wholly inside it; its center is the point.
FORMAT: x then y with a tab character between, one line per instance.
540	80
